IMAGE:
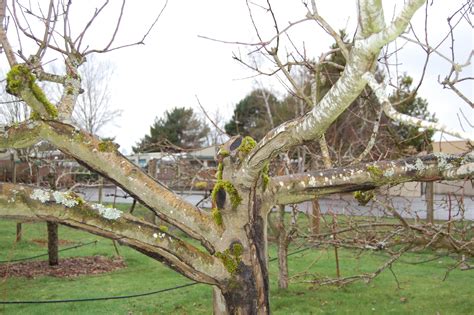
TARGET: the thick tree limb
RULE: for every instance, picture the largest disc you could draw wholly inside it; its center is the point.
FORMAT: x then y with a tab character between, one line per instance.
362	59
102	157
306	186
22	202
20	136
391	112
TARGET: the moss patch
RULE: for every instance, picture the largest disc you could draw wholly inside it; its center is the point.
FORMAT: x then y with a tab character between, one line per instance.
20	78
265	175
41	97
247	145
375	171
35	115
235	199
231	257
363	197
220	169
224	153
217	216
200	185
106	146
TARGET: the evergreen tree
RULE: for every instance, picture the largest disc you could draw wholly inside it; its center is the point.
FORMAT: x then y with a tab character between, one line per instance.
179	127
405	101
251	118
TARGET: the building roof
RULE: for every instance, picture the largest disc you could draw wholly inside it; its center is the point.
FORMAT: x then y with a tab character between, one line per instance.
453	147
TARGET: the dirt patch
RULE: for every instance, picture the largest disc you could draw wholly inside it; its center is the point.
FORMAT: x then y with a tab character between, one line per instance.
67	268
44	243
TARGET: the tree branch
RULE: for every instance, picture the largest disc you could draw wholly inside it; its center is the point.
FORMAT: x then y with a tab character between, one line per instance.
362	59
306	186
22	202
20	136
381	93
7	48
103	158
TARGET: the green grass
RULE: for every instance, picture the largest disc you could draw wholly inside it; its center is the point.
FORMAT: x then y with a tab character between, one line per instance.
422	289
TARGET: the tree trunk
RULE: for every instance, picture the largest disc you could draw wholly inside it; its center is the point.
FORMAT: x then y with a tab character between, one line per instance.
53	243
242	295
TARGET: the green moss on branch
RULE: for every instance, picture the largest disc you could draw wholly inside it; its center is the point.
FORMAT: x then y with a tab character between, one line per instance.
247	145
217	216
231	257
363	197
220	170
235	199
265	175
375	171
106	146
19	79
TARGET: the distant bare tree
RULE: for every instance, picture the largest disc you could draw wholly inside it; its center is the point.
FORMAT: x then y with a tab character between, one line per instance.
12	110
93	109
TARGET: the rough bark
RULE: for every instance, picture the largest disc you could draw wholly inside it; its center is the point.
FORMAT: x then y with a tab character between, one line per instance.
25	203
307	186
372	35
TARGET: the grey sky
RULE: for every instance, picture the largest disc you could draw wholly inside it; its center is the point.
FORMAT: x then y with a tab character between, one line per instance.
175	65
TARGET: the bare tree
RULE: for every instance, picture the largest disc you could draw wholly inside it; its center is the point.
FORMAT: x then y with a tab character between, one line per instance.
93	109
233	255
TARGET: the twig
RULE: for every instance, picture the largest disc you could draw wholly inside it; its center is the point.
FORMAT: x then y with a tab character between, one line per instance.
209	118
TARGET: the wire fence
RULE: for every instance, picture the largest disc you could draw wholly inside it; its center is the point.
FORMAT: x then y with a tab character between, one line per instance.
43	255
94	299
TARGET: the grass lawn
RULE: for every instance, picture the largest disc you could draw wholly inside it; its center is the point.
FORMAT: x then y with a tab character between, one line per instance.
422	289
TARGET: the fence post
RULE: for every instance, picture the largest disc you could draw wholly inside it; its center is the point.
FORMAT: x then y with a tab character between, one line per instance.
429	196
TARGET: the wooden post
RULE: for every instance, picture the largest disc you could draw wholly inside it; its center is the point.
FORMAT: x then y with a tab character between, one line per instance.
283	243
101	188
18	231
53	243
429	195
315	221
13	168
53	227
336	254
152	166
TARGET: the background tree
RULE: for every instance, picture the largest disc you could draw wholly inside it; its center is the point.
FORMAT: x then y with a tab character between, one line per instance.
180	127
251	116
406	101
229	250
93	109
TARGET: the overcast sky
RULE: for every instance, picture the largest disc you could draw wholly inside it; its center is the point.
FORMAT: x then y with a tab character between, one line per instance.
175	65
